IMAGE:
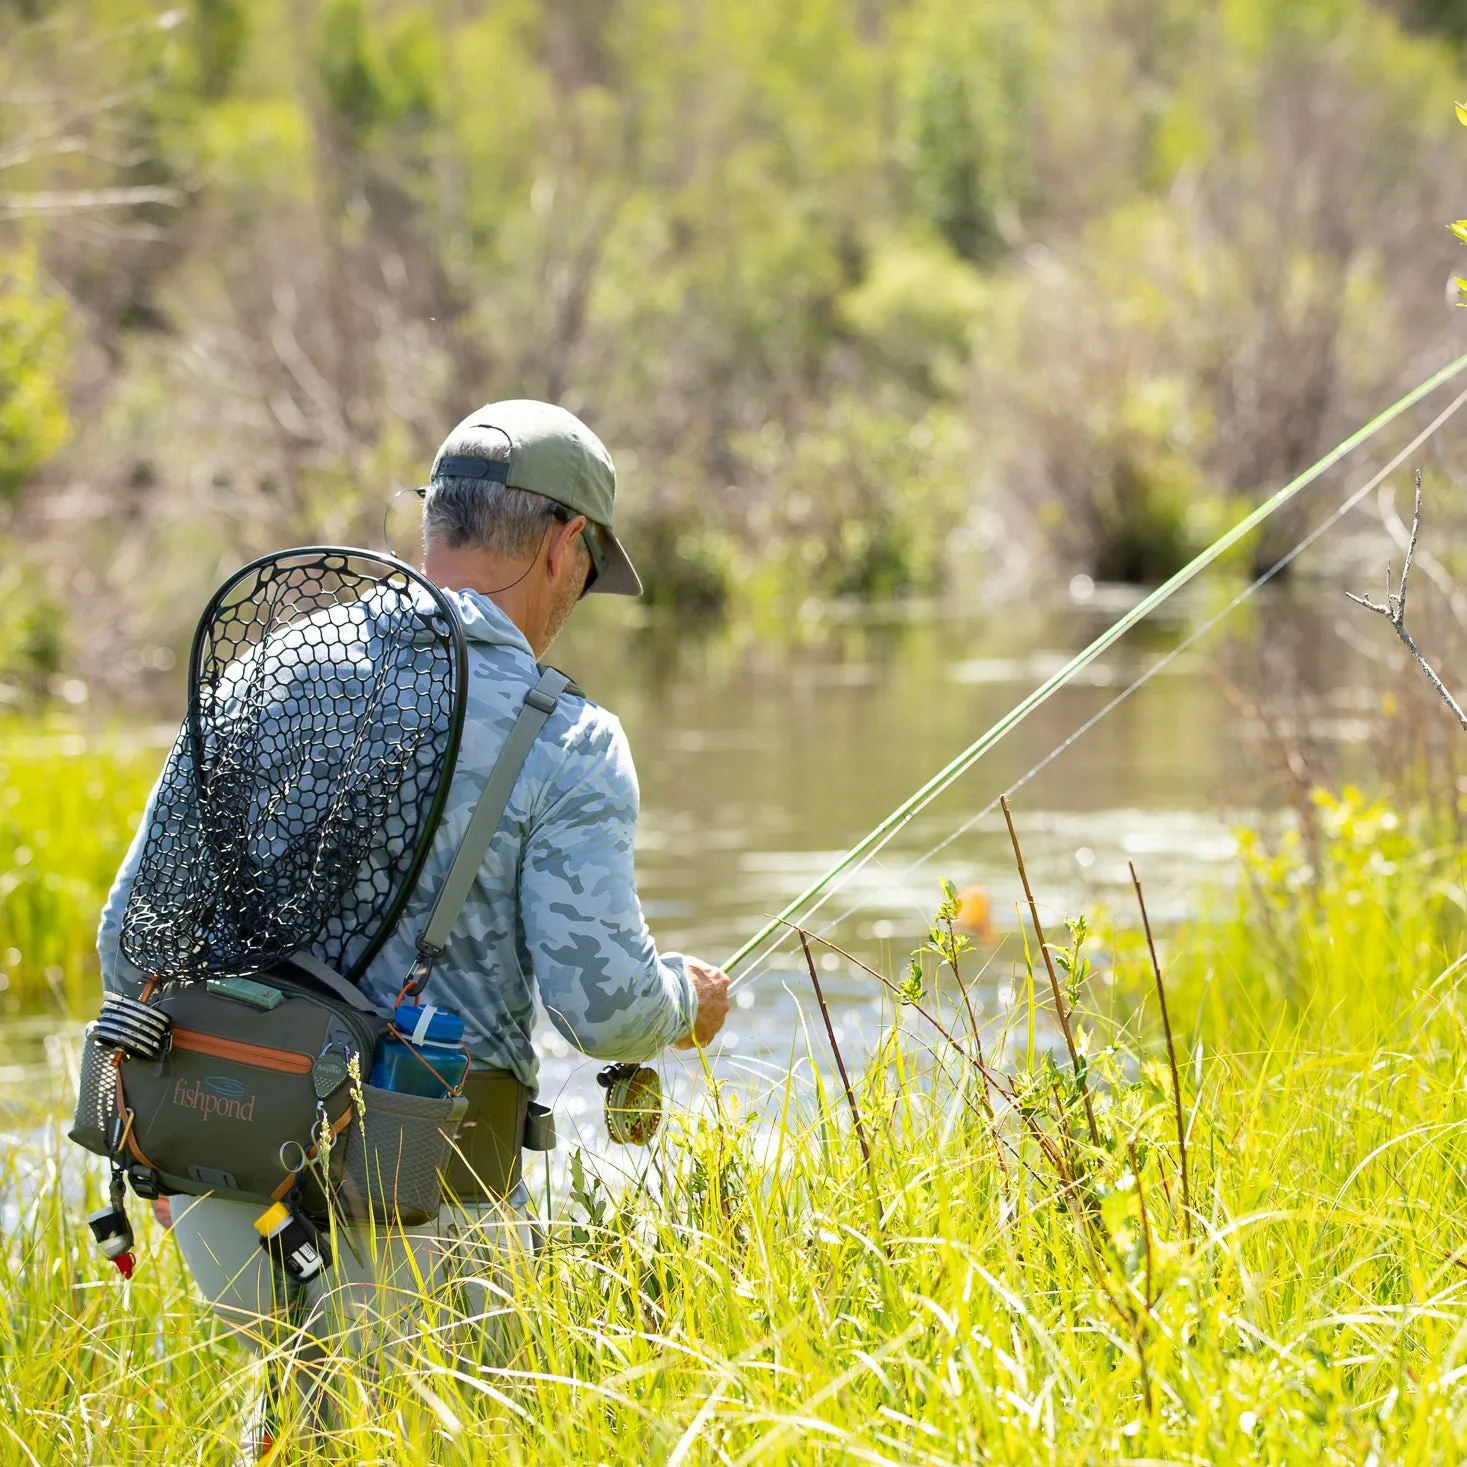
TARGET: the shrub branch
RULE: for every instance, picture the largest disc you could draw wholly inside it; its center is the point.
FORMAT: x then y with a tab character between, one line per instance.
1394	611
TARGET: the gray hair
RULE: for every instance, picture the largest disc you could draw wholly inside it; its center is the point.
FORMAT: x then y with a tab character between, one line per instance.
479	514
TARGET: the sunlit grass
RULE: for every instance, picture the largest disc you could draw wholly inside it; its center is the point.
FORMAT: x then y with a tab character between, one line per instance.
772	1300
68	807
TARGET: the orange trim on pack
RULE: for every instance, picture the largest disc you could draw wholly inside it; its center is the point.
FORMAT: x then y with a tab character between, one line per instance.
285	1060
128	1139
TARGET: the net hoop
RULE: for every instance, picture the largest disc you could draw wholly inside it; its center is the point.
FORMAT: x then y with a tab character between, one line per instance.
327	688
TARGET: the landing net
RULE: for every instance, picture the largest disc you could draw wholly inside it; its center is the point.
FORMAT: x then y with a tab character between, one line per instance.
326	693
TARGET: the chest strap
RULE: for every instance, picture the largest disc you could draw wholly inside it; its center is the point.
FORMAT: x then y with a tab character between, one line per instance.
540	702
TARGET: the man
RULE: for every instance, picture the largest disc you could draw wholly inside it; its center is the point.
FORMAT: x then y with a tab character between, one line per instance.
517	525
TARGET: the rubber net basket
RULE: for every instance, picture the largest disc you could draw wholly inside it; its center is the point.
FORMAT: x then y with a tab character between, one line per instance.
326	692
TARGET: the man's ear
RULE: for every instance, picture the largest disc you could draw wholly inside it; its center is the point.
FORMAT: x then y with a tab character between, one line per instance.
562	544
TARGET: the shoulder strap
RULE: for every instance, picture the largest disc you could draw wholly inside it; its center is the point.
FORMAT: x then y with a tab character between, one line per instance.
331	980
540	702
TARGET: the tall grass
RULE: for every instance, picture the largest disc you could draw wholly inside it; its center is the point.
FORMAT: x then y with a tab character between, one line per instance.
68	806
1020	1293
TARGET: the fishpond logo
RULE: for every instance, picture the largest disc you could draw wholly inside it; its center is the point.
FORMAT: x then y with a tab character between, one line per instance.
215	1095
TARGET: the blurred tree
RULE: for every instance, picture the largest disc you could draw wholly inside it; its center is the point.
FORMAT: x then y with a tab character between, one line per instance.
218	35
831	278
966	96
33	364
1447	17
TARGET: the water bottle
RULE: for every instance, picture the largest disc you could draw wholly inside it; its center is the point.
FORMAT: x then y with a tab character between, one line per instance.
425	1055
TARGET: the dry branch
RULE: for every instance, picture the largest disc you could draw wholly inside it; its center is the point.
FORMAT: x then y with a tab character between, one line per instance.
1394	611
1061	1011
76	201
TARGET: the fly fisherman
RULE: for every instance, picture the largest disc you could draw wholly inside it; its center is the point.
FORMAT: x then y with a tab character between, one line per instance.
517	527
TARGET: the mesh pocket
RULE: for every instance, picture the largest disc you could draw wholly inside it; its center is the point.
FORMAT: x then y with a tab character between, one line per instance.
397	1154
96	1099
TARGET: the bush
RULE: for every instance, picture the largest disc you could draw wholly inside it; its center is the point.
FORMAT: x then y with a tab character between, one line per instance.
33	366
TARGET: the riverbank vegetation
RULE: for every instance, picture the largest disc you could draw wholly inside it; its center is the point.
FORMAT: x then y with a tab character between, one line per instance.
856	291
1013	1274
69	805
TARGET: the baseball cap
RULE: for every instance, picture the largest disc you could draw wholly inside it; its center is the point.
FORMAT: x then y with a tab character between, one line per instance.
543	449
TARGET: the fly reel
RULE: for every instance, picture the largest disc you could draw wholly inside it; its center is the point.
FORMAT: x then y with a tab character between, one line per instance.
633	1103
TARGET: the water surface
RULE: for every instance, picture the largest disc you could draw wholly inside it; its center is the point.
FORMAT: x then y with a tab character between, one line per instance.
762	758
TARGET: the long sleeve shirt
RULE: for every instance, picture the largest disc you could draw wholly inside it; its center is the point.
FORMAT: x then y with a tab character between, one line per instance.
553	912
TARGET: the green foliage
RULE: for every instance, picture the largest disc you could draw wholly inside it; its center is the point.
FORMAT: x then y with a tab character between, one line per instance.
1027	1294
918	307
967	74
33	368
837	281
1445	16
32	631
1369	891
865	499
351	83
68	808
218	35
685	565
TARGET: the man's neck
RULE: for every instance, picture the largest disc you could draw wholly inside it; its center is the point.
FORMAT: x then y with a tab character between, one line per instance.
494	578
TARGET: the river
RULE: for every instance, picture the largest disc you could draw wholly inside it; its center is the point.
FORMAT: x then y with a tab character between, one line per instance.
761	758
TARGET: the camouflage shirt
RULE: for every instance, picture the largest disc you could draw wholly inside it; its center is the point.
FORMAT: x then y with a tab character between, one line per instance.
554	909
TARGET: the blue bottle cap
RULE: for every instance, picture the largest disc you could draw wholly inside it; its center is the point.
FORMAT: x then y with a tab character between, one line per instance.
443	1027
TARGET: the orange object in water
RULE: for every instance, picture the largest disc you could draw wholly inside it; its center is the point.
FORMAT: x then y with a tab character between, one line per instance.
973	913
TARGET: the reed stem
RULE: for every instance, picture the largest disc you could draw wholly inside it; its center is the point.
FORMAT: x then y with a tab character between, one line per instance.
1059	998
1171	1054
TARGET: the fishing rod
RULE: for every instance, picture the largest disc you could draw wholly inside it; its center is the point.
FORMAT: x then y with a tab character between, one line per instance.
964	761
1164	661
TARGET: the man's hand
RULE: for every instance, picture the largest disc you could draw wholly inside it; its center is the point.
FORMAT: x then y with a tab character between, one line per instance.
711	986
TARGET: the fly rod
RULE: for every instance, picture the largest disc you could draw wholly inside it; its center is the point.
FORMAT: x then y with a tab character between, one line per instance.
1350	502
1143	608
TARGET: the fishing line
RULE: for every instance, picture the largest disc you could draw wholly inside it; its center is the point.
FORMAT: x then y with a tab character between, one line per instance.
1350	503
958	766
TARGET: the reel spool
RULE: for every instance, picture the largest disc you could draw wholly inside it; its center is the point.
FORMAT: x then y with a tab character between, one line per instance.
138	1030
633	1103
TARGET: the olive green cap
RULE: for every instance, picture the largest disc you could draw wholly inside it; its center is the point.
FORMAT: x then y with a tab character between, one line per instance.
543	449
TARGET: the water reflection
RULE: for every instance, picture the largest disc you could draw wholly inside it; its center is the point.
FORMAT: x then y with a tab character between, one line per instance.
762	759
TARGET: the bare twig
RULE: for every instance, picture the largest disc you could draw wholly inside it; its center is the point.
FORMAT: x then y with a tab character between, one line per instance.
1059	1000
988	1076
1431	567
840	1063
1171	1054
877	1205
73	201
1394	611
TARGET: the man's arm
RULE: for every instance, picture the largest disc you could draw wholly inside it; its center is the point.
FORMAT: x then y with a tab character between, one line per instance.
600	977
118	975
